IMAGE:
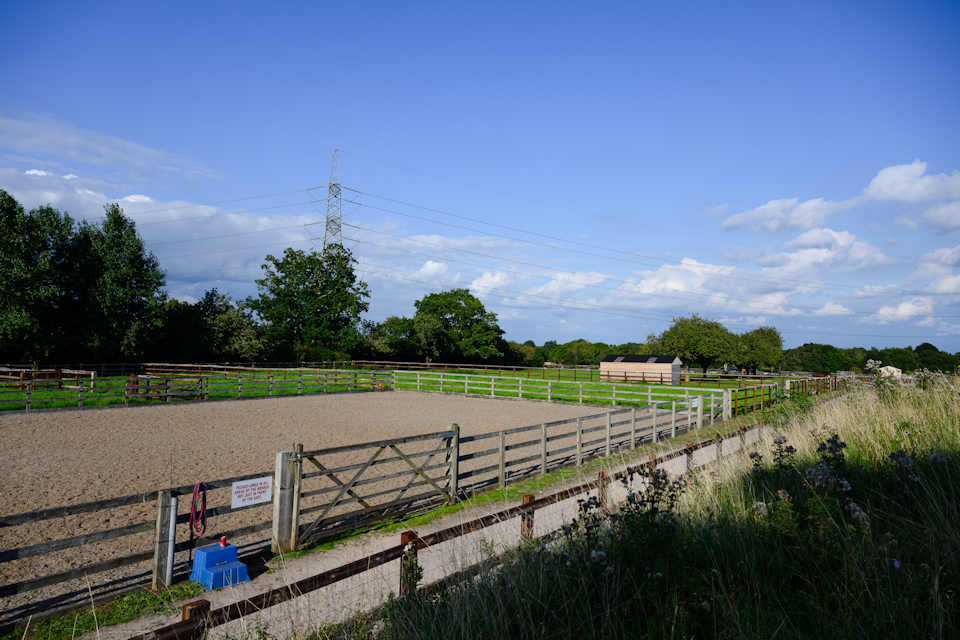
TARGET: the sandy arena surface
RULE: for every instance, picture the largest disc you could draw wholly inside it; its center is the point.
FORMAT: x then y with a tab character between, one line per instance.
64	457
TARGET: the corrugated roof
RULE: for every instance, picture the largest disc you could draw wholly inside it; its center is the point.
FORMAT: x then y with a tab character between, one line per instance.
641	358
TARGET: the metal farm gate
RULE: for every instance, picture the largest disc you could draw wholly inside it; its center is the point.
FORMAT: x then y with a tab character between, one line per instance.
352	485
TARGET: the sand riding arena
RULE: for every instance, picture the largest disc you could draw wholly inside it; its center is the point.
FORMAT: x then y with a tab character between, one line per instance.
54	461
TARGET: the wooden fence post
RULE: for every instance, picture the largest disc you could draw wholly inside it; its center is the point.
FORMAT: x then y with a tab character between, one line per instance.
603	495
526	519
673	419
409	559
166	390
270	385
441	382
239	387
614	394
543	448
520	386
165	538
80	399
300	383
29	389
493	385
286	483
607	446
727	404
700	412
579	441
503	460
653	416
581	394
455	463
633	428
549	390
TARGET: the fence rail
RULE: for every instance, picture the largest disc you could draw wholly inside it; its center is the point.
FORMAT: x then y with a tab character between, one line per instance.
198	617
141	389
347	486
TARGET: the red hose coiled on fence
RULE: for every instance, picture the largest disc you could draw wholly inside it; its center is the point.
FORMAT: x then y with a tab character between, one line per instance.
198	518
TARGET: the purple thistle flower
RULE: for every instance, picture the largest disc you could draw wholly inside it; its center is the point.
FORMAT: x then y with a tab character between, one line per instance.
896	563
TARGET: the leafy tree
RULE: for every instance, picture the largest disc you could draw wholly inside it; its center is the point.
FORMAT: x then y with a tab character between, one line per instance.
762	347
35	264
699	341
454	326
929	357
394	339
119	285
821	358
311	302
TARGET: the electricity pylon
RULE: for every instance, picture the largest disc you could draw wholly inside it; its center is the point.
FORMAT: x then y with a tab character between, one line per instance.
331	232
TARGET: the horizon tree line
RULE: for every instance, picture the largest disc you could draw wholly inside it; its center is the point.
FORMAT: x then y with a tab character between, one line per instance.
91	292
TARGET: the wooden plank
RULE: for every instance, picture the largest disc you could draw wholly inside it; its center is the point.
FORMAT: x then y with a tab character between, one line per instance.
90	569
380	443
334	478
74	541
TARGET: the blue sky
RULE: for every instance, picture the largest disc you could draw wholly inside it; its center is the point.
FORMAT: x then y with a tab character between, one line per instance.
587	171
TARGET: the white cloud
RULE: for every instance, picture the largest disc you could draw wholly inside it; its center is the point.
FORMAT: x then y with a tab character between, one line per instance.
36	172
926	322
786	213
70	176
688	276
904	221
136	197
904	311
872	291
832	309
910	183
948	284
431	269
948	329
824	247
59	140
944	216
488	282
566	281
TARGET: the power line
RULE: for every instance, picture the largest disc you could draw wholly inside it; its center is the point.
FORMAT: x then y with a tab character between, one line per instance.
553	272
658	262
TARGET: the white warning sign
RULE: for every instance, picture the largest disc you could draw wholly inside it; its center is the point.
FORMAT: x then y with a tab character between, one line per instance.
253	491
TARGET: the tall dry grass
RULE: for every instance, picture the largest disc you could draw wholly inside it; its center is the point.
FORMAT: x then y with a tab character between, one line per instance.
845	524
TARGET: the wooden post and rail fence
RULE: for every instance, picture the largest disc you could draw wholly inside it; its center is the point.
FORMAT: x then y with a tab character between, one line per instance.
319	493
199	617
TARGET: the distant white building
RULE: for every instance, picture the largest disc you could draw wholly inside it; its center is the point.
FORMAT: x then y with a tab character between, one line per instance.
643	368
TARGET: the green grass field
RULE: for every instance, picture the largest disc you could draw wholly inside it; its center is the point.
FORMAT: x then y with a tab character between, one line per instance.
110	391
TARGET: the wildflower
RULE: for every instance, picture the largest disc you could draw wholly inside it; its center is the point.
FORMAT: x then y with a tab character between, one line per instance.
896	563
760	509
609	570
822	477
658	574
937	457
902	460
598	556
857	514
783	495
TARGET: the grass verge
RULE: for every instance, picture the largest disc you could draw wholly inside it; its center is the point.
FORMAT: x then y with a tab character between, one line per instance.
845	525
124	609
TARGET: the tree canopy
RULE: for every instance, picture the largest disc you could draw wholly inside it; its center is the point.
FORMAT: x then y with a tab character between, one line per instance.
311	303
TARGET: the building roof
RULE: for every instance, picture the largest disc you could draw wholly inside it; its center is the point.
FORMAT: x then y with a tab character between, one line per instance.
641	358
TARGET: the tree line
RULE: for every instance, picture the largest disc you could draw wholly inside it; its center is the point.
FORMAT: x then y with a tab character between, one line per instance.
74	292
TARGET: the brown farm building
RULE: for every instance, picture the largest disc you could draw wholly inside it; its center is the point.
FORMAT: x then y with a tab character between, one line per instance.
661	369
